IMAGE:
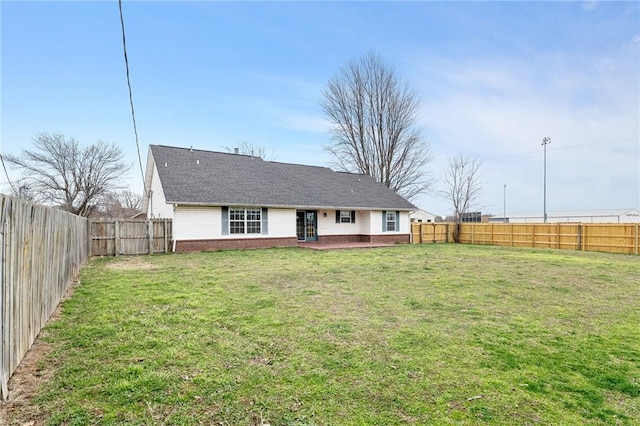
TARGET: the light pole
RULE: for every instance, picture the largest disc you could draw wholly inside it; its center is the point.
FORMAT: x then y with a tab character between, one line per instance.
504	204
545	141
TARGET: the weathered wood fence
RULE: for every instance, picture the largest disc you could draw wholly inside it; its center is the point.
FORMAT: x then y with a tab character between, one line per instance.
130	237
603	237
42	249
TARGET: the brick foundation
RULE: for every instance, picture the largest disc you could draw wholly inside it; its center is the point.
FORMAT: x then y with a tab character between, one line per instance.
341	239
359	238
252	243
390	238
232	244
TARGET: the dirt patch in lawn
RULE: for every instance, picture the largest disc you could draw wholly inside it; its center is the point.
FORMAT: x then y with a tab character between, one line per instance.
26	381
132	263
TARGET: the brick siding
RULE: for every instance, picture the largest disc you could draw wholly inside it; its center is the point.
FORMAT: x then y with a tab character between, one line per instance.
231	244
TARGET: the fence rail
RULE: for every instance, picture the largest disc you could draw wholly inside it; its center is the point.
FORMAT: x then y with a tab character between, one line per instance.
130	237
603	237
42	249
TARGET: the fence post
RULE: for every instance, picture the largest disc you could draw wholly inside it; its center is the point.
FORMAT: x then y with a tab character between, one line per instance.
150	226
637	238
558	236
446	233
116	236
4	304
579	236
166	237
511	234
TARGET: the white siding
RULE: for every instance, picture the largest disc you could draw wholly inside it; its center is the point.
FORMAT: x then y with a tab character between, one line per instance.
205	223
282	223
368	222
403	222
328	226
158	207
197	223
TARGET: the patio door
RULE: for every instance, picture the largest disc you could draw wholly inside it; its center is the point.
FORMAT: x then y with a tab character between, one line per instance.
307	225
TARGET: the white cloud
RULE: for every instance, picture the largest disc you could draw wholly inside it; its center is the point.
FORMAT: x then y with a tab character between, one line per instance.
470	110
590	5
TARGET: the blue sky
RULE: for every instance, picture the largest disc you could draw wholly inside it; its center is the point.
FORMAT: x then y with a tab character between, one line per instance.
494	78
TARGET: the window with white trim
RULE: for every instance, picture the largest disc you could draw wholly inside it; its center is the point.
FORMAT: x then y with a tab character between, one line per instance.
245	220
391	221
345	216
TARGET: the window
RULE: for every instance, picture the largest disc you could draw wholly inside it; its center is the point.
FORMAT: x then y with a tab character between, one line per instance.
245	220
345	216
253	221
391	221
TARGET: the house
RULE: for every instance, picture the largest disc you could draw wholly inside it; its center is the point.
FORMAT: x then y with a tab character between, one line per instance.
582	216
422	216
225	201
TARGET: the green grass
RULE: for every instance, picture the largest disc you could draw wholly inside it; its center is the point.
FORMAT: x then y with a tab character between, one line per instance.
423	334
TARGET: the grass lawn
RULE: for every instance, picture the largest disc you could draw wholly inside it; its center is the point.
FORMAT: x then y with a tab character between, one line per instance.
411	334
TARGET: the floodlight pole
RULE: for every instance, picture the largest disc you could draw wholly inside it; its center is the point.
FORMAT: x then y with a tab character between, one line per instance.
504	204
545	142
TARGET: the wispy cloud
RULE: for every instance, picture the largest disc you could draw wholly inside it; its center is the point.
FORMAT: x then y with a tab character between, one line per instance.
499	111
590	5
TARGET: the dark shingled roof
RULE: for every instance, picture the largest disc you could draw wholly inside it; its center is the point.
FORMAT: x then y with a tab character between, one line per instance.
216	178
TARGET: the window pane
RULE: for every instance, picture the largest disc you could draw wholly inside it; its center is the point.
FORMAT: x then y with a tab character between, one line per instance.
236	214
253	227
253	214
236	227
345	216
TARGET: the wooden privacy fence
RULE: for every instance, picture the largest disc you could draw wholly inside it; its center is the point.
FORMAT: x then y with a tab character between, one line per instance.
42	249
603	237
130	237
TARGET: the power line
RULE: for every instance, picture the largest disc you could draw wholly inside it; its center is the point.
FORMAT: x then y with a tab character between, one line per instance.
133	114
7	174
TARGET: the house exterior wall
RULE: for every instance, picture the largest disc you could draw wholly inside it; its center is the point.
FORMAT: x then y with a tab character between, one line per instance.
204	223
422	216
158	207
328	226
198	228
368	228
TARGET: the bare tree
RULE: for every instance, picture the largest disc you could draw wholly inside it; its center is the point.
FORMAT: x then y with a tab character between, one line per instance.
373	118
462	186
20	189
61	173
247	148
121	204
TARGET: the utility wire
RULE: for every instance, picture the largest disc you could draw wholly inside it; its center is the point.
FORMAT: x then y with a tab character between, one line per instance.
133	114
7	175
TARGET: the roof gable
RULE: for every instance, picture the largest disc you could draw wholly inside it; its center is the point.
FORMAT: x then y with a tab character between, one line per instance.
190	176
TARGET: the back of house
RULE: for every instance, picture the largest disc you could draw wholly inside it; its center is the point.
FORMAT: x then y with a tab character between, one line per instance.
224	201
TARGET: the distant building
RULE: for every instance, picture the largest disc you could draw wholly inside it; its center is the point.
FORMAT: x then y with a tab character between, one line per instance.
582	216
471	217
422	216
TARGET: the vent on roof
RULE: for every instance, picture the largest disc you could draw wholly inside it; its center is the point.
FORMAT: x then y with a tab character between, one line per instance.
236	150
197	161
165	164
